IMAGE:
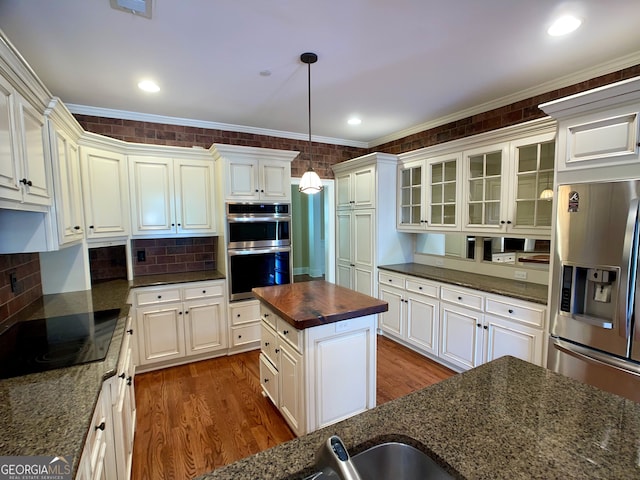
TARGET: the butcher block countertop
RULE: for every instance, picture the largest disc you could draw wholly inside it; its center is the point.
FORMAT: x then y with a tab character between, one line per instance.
309	304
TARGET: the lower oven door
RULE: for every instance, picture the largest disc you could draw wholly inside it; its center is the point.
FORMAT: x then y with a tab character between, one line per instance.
257	268
606	372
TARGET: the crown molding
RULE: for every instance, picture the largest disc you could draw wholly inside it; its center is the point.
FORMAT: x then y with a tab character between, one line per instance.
148	117
561	82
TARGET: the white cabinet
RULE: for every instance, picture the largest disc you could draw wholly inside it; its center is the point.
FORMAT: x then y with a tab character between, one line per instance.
244	331
429	193
180	323
598	133
414	311
356	189
64	133
320	375
355	250
24	170
172	196
98	459
459	326
365	216
105	192
254	174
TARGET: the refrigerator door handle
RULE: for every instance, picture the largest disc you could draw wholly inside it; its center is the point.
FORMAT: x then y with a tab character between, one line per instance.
592	356
629	255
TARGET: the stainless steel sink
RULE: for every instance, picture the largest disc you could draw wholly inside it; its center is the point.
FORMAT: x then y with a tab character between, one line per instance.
392	460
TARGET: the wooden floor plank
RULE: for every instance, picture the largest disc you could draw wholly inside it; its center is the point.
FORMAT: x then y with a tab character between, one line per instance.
194	418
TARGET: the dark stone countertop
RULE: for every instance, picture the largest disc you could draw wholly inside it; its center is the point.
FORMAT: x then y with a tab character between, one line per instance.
309	304
531	292
507	419
49	413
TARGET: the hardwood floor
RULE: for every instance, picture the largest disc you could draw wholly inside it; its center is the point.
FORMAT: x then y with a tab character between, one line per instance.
197	417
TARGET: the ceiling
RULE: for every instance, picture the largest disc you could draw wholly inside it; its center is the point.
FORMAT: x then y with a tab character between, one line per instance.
400	65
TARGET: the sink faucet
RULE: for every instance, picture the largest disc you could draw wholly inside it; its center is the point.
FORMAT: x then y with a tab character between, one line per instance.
333	456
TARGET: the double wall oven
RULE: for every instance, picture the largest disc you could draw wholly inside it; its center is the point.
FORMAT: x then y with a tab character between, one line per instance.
258	246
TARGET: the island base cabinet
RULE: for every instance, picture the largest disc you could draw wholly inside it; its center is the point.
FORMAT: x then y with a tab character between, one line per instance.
319	375
341	371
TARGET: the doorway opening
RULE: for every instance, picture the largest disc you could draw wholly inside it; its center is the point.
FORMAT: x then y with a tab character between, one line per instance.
313	233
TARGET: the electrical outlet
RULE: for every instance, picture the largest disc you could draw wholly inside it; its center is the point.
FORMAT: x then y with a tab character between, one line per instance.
13	281
142	256
520	275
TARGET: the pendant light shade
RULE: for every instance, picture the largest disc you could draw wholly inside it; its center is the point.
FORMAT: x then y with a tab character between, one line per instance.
546	194
310	182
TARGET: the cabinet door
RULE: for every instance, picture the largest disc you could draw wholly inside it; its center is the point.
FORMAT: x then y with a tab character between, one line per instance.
152	195
423	323
344	274
242	179
204	327
391	320
105	193
269	380
344	198
68	190
460	336
343	238
411	205
486	188
194	196
364	193
503	337
9	157
443	192
362	233
275	181
533	162
291	392
34	166
162	333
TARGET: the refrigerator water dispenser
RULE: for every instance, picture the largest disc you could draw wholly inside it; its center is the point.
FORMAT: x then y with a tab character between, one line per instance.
587	293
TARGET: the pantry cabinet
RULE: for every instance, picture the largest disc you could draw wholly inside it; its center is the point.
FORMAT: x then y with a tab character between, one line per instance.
364	212
460	327
172	196
180	323
105	188
254	174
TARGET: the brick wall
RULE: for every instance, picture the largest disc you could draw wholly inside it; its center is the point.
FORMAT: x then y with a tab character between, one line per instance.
26	267
174	255
324	155
107	263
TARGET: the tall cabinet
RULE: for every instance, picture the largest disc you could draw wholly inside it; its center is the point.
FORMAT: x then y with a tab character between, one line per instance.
365	220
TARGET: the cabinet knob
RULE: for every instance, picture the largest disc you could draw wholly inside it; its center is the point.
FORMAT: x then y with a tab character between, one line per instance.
129	381
266	380
460	298
277	350
130	331
90	226
173	224
179	224
159	296
238	315
502	222
508	222
186	312
239	336
204	291
510	310
77	227
179	313
26	182
285	332
419	288
256	190
101	426
122	375
478	325
486	327
261	191
266	314
266	344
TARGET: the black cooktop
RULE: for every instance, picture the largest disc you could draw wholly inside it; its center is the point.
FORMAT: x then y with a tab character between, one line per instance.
56	342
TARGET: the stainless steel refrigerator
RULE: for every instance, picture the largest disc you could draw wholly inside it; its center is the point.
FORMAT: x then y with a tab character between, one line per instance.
593	312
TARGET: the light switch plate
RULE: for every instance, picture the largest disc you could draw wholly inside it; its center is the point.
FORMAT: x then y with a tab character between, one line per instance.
520	275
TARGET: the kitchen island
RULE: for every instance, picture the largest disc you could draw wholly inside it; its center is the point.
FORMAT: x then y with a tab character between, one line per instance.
318	352
507	419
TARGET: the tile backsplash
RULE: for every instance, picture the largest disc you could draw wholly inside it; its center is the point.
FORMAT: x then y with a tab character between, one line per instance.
173	255
28	285
108	263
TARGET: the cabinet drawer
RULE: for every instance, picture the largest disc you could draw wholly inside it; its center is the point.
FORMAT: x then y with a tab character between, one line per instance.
386	278
245	334
203	290
293	336
268	316
423	287
269	342
527	314
460	297
245	312
152	297
269	379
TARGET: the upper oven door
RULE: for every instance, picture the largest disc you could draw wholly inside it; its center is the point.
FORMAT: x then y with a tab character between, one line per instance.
258	232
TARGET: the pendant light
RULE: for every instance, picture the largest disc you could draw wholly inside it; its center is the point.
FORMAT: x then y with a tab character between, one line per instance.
547	193
310	182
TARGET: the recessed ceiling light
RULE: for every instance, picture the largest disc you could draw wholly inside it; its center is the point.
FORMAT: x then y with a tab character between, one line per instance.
564	25
148	86
265	73
354	121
